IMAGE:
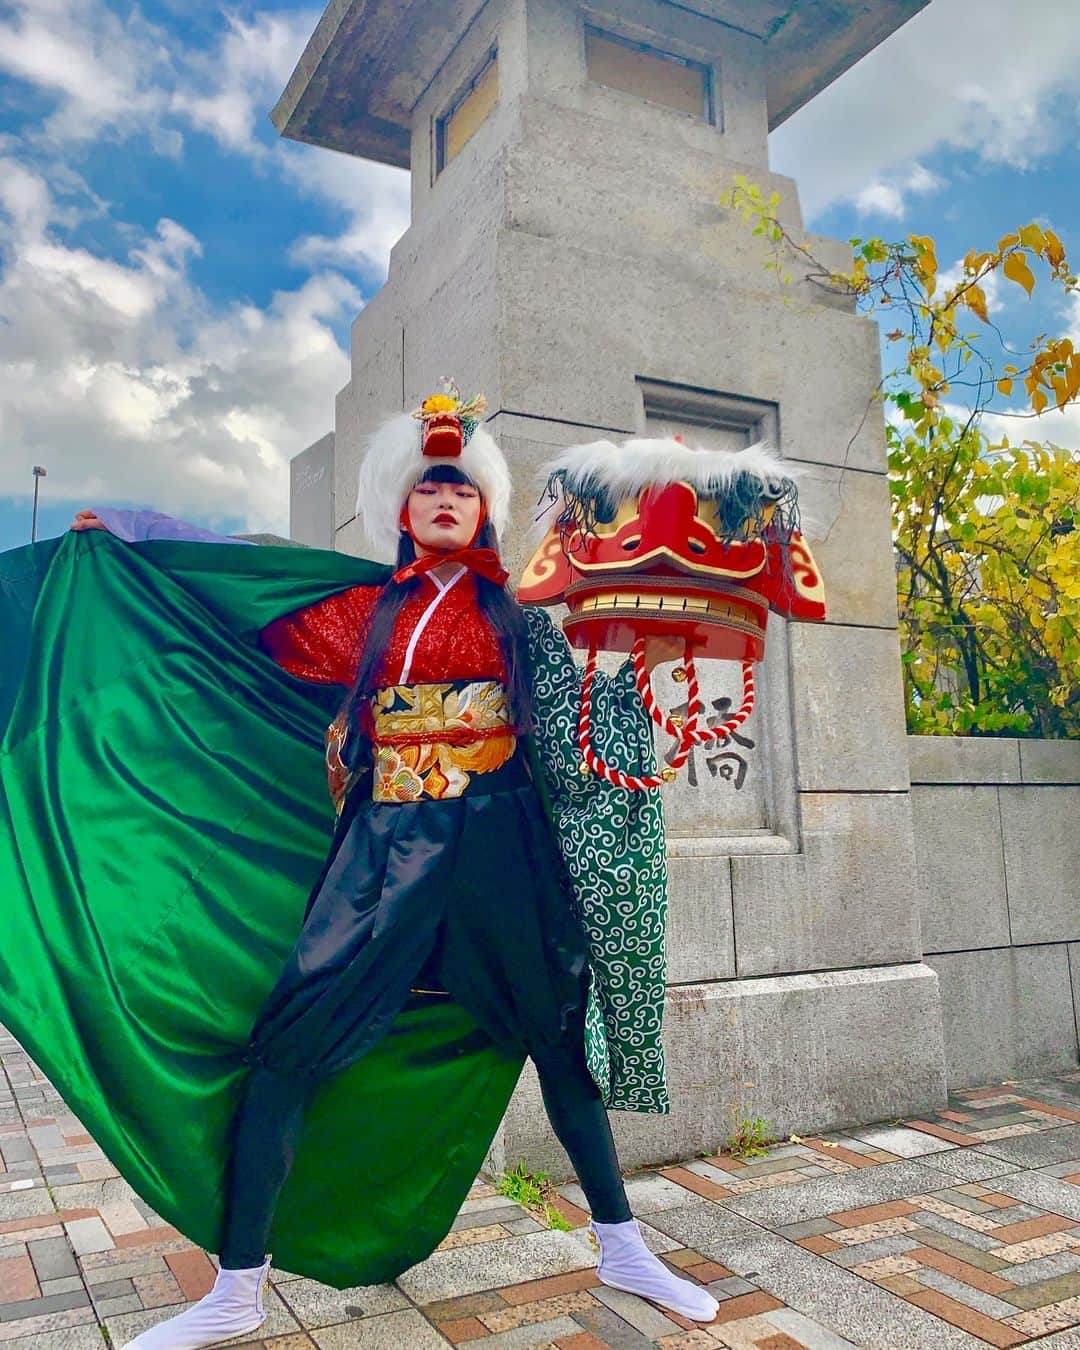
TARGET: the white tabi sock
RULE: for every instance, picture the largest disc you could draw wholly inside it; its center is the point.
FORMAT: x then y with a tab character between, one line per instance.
627	1264
234	1306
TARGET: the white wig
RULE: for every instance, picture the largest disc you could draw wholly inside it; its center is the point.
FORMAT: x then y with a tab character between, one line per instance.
393	464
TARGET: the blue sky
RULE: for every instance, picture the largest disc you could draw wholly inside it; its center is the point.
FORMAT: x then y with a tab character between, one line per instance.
176	282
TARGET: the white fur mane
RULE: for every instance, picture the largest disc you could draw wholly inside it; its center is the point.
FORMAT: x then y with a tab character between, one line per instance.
625	470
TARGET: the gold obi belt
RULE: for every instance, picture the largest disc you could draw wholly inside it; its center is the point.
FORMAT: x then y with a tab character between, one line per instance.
430	739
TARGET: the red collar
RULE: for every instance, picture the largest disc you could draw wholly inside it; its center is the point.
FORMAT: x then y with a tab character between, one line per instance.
484	562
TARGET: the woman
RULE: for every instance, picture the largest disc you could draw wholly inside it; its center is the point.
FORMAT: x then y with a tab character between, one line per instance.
444	879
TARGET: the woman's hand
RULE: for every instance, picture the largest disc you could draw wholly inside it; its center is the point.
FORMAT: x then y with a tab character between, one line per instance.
660	650
87	520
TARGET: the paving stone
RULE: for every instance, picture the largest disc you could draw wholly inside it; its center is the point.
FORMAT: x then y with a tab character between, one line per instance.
26	1204
67	1338
17	1148
526	1225
937	1224
158	1290
506	1317
392	1331
1048	1245
89	1235
806	1332
1053	1290
61	1176
1048	1193
18	1281
52	1258
611	1329
844	1303
1045	1268
533	1334
959	1200
468	1270
1037	1150
642	1316
112	1307
12	1312
969	1163
67	1285
809	1228
1064	1340
873	1250
903	1142
814	1199
317	1305
120	1269
477	1204
987	1304
484	1218
1062	1169
732	1287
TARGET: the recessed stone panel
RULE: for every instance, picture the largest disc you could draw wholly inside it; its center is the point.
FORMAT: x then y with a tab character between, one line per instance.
700	930
846	900
846	520
961	868
848	709
1007	1012
1041	831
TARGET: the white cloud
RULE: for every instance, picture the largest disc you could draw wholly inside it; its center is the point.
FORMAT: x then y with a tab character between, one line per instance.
101	70
888	196
995	88
373	197
228	90
881	199
122	379
127	78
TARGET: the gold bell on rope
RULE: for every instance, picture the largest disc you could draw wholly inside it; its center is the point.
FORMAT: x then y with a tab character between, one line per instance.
583	767
679	674
668	775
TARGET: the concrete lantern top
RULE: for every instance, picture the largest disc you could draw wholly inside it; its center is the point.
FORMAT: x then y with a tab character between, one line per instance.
369	61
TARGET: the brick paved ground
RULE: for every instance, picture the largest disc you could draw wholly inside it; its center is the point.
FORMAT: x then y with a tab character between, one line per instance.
960	1230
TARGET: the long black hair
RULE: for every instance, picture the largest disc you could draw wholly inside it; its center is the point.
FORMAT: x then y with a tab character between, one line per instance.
498	606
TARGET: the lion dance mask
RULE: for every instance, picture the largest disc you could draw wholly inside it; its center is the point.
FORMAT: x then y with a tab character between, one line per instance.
653	538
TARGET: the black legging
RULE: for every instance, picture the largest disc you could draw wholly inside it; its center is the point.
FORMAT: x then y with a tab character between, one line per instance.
268	1123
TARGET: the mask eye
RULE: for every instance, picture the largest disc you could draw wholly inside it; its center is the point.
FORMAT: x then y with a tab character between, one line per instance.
695	546
632	542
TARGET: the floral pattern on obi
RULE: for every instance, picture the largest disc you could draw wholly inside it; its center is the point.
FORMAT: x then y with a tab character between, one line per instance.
431	738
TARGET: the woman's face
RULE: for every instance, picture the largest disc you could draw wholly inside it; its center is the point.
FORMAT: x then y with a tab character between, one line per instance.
443	516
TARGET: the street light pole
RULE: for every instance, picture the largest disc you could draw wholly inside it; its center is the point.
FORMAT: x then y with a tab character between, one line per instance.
39	474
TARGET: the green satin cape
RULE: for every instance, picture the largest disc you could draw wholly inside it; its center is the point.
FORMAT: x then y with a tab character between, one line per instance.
164	815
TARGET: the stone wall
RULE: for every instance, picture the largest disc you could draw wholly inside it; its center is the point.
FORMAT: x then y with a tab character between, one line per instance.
997	842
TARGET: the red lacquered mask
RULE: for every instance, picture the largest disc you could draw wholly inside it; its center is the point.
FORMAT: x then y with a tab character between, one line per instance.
661	566
702	552
443	435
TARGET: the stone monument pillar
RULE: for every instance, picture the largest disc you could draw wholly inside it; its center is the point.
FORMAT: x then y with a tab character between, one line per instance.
569	256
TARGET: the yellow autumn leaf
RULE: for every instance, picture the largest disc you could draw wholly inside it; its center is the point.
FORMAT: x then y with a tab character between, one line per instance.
1032	237
1053	249
1005	387
1016	269
975	299
1039	400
